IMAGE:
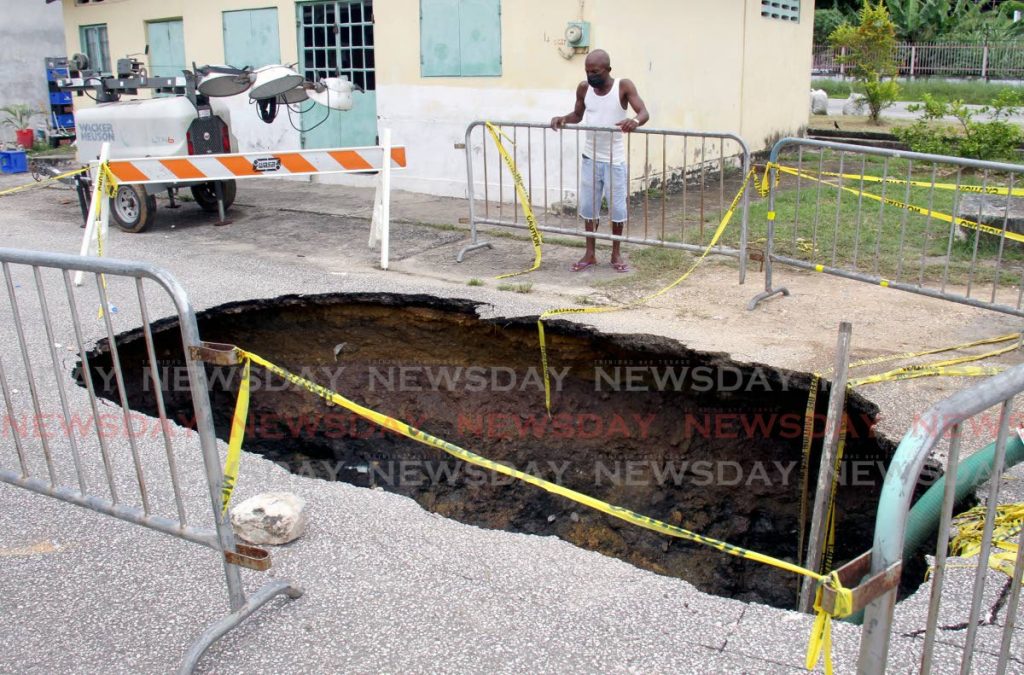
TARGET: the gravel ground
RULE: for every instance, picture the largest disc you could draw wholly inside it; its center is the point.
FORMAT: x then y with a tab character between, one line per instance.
389	586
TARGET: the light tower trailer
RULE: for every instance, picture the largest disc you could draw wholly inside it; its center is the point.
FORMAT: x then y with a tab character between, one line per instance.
179	123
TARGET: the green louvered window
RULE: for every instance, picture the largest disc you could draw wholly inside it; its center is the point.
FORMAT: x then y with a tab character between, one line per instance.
460	38
786	10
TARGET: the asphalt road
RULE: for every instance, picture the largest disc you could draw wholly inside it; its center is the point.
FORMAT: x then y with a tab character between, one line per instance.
389	587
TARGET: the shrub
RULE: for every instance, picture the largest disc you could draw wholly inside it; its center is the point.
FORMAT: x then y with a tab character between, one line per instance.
993	140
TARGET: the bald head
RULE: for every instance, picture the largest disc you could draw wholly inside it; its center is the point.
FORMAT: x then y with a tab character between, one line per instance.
598	59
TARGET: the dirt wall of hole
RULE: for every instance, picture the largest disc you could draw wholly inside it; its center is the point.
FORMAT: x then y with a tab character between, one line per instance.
639	421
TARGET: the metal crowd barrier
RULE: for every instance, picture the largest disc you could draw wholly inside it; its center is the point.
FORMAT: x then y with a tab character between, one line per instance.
945	418
945	227
76	450
679	185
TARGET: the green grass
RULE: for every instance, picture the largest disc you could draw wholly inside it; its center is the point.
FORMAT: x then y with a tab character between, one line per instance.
445	227
524	287
841	229
475	282
569	242
970	91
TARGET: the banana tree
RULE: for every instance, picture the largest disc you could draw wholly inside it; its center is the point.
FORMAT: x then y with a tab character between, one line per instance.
924	20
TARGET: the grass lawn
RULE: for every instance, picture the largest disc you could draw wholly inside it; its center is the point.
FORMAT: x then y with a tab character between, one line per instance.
853	230
821	224
859	123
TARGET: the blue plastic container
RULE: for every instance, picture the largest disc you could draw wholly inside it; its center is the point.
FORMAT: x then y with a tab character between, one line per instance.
13	161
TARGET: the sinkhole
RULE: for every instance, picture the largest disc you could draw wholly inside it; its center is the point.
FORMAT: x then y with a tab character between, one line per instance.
639	421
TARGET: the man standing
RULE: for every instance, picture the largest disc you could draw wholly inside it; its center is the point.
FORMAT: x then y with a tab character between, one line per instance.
602	99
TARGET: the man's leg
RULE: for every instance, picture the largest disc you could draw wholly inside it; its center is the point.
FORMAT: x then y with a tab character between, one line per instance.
590	255
618	213
618	262
590	184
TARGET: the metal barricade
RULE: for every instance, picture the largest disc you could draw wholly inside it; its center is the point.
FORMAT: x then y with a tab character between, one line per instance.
678	184
945	420
929	224
62	441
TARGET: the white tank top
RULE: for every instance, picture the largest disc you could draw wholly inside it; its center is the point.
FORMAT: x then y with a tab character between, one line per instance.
604	111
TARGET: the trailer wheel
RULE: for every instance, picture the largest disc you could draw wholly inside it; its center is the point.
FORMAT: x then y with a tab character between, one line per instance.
133	210
205	194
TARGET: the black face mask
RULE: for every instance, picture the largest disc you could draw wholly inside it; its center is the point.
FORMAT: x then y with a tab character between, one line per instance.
596	81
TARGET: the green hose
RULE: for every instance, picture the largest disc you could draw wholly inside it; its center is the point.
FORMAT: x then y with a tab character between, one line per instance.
924	516
923	519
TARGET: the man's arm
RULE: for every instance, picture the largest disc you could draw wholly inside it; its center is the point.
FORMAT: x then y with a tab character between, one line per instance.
628	91
576	116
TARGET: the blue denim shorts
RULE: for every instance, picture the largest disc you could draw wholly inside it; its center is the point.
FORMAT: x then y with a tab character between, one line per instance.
610	180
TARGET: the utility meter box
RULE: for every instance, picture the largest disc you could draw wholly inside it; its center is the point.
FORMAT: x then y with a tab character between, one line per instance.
577	34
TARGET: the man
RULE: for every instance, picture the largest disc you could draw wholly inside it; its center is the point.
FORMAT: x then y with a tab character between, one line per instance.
602	99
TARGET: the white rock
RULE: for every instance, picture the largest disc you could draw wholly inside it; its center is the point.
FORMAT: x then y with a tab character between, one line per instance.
270	518
819	102
855	105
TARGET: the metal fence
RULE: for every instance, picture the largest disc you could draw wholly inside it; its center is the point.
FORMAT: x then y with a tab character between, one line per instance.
61	440
945	420
679	184
945	227
993	60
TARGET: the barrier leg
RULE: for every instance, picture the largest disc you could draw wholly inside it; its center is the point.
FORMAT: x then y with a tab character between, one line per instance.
769	247
475	244
472	247
261	597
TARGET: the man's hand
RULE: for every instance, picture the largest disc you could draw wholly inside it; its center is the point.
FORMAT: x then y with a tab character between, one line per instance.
557	123
628	125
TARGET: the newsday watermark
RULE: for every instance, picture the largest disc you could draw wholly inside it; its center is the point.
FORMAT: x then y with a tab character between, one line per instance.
424	474
390	377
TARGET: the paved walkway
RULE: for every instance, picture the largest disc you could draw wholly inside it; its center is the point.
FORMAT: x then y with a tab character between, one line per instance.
899	111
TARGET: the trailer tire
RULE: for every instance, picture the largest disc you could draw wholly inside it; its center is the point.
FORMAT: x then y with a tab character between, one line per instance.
133	210
205	194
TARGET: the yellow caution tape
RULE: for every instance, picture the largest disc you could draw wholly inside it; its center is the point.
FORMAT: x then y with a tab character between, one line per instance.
933	369
805	461
109	180
234	458
821	634
944	217
830	546
974	189
642	301
820	643
524	200
1009	521
42	183
106	185
912	355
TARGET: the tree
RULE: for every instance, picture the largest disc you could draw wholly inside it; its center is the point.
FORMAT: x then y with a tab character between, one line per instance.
825	23
869	51
924	20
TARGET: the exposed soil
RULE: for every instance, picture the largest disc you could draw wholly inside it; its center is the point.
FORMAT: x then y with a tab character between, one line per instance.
638	421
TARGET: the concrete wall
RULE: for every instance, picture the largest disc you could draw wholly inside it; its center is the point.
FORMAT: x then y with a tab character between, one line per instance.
706	65
29	32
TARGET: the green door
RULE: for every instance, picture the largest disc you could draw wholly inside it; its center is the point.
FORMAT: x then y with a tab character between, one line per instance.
336	39
166	41
250	38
